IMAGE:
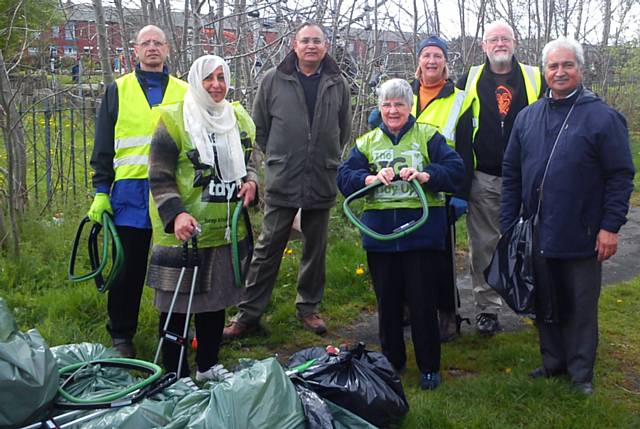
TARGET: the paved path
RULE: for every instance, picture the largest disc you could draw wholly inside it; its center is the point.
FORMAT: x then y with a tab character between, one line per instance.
625	265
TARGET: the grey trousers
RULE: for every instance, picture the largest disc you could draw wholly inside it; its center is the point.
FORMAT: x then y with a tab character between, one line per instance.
267	256
570	345
483	225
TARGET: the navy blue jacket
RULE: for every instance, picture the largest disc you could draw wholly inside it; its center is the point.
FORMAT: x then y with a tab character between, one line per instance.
590	176
446	171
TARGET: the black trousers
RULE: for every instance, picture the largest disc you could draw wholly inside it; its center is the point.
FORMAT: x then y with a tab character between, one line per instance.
123	300
444	276
569	344
209	328
404	277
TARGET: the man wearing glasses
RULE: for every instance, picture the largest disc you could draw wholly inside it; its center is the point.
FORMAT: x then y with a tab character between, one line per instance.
302	113
497	91
124	127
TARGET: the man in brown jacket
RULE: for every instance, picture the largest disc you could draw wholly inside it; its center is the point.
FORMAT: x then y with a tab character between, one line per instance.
302	114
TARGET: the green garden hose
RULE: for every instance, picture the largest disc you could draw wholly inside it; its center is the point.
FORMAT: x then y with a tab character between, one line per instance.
98	264
144	387
235	251
398	232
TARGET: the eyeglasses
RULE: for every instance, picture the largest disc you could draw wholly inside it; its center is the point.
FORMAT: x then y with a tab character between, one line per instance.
385	105
311	41
148	43
494	40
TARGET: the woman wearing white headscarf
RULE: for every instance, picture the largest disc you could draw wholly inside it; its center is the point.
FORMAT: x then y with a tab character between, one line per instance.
197	172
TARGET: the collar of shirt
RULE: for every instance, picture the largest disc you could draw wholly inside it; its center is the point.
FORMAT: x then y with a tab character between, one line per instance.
569	99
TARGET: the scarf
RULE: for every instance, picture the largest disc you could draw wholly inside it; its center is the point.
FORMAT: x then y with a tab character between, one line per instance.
211	125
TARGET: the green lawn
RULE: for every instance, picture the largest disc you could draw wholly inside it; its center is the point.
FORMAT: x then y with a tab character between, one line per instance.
485	380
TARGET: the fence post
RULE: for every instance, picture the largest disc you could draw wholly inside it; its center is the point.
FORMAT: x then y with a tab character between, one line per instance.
35	150
72	143
60	129
84	141
47	146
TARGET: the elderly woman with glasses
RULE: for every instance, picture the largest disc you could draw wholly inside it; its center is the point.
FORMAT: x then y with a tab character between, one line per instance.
402	269
197	173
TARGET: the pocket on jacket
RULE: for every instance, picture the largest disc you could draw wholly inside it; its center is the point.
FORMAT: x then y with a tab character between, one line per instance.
325	186
275	173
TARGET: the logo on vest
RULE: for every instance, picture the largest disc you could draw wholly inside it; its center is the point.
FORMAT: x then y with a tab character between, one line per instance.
218	191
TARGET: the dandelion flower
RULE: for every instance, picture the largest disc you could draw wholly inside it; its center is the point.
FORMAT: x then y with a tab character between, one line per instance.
359	271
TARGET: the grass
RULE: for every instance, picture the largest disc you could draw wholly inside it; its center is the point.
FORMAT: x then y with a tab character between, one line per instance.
486	383
485	380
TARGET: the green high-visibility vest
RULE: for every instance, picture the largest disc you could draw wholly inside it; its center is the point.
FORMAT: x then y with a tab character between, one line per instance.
442	113
136	124
213	217
532	84
411	151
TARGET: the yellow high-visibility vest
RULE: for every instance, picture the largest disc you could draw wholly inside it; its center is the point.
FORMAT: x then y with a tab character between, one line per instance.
442	113
136	124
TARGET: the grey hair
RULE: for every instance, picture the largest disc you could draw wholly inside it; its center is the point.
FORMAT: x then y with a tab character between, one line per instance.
499	23
395	88
568	43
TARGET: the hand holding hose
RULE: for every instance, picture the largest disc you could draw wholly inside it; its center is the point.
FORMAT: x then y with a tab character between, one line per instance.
248	192
100	205
185	226
385	176
410	173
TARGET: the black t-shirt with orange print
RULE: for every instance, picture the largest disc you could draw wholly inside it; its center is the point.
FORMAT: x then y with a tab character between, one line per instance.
502	97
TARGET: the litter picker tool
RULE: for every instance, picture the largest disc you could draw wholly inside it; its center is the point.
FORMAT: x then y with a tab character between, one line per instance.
181	339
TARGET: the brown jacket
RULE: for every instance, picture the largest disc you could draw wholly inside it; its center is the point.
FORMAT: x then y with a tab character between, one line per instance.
301	161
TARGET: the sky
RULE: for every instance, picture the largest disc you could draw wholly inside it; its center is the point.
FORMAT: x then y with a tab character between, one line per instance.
401	11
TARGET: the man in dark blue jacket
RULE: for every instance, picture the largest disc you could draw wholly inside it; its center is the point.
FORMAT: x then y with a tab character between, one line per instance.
584	199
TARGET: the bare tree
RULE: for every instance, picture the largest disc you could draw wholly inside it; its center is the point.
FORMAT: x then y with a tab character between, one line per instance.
124	31
16	172
103	43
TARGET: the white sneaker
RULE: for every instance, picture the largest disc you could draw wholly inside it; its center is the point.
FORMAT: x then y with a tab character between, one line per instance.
215	373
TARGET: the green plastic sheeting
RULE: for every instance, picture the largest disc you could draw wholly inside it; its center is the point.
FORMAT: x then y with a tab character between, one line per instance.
154	412
258	396
28	373
345	419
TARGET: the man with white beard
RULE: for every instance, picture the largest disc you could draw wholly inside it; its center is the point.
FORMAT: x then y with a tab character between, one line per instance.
497	90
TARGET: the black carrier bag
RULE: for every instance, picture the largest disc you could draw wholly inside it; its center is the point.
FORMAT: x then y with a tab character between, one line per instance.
510	272
359	380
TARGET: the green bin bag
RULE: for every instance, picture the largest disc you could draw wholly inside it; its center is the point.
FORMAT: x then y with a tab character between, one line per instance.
259	396
28	373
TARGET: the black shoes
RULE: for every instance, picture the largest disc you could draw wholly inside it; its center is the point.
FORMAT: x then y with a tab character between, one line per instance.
584	388
541	372
487	323
124	346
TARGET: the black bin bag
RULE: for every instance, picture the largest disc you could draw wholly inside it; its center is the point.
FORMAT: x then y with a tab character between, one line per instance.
358	380
510	272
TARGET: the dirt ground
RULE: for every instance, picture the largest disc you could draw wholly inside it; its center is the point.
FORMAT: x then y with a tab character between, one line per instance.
623	266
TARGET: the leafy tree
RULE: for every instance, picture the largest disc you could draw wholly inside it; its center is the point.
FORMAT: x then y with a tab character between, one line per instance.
22	21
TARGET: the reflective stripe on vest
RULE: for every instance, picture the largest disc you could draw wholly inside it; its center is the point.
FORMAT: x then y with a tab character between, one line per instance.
442	113
128	142
136	124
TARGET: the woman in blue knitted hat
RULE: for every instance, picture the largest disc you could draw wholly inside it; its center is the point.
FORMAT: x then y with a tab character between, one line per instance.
439	103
